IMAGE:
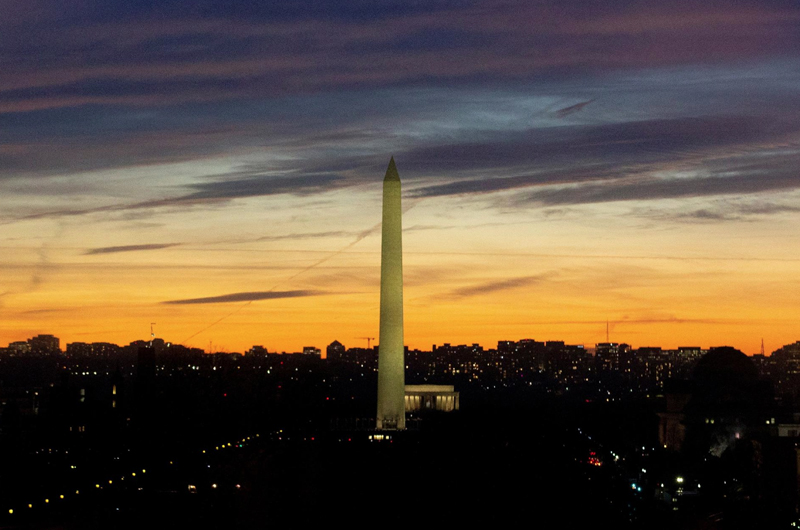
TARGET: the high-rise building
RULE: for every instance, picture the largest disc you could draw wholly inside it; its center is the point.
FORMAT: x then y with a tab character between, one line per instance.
311	350
335	351
257	350
19	347
607	355
44	345
391	361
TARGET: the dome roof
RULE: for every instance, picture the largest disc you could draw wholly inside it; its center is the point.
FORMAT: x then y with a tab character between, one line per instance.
725	366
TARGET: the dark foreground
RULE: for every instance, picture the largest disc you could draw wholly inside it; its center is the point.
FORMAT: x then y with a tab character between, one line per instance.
554	466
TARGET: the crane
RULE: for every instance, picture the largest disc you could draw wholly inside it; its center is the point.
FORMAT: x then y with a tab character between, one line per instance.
369	340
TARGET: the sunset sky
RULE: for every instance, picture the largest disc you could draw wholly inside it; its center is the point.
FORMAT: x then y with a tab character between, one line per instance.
215	167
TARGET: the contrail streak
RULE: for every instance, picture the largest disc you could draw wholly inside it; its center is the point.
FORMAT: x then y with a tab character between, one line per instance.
314	265
358	238
220	320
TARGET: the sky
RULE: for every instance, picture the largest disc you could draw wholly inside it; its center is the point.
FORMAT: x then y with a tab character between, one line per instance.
569	167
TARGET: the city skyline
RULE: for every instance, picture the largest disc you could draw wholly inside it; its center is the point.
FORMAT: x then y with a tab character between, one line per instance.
47	343
218	170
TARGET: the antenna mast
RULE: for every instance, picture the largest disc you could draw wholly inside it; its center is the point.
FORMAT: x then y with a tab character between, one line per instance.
152	333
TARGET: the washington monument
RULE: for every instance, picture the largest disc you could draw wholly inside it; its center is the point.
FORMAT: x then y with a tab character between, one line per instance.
391	359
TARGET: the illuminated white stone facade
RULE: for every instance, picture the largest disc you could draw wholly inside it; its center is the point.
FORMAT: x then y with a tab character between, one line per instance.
443	398
391	359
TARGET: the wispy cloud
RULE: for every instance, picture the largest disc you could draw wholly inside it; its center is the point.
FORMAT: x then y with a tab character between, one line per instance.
257	186
307	235
40	271
128	248
495	286
665	188
665	320
245	297
602	157
214	192
225	52
740	209
566	111
47	311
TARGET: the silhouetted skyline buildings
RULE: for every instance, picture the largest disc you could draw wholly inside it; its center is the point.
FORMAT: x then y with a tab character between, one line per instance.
600	407
44	344
615	364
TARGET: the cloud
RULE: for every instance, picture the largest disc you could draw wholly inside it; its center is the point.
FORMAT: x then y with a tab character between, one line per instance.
489	185
502	285
217	191
641	161
128	248
307	235
440	135
47	311
417	228
41	270
576	154
646	189
134	55
705	214
566	111
244	297
257	186
722	210
665	320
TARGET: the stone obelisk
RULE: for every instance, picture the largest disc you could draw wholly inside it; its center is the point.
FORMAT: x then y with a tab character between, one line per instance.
391	358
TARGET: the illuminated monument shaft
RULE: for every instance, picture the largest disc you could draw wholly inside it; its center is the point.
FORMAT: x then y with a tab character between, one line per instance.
391	361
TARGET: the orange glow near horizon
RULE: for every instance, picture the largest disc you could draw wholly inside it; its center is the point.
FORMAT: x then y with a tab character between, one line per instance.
465	281
219	172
